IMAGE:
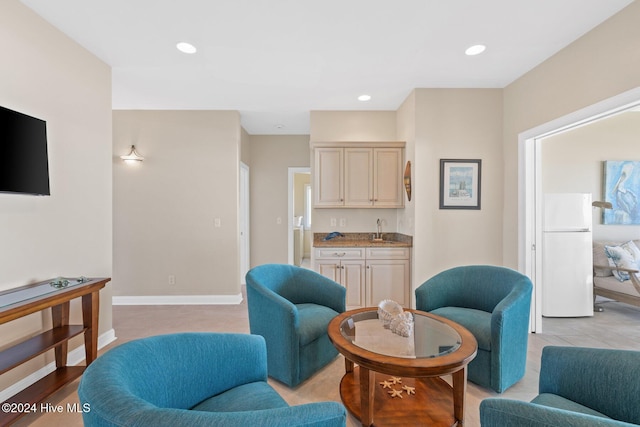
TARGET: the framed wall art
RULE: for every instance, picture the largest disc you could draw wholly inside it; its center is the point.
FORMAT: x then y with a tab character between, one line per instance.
622	190
460	183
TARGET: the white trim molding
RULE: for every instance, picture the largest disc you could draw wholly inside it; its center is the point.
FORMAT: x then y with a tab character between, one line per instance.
178	300
74	357
529	184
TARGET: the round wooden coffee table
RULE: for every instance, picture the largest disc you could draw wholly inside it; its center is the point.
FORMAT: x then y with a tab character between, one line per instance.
397	379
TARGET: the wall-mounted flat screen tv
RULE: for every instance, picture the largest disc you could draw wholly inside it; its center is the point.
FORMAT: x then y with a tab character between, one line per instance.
24	164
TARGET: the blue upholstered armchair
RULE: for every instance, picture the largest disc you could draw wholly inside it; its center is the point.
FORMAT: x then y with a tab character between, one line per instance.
291	308
192	379
579	387
493	303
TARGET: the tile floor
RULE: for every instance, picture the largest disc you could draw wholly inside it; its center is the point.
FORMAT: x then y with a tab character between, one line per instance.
616	327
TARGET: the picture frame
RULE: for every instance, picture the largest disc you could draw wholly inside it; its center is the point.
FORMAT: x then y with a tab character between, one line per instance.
622	190
460	183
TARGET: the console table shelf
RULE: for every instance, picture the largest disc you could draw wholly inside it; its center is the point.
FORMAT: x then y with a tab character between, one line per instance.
20	302
37	345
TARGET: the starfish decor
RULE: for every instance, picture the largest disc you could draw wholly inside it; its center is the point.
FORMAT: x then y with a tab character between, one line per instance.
395	393
409	390
385	384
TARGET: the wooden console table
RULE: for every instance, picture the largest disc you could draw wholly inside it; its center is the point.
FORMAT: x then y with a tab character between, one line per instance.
25	300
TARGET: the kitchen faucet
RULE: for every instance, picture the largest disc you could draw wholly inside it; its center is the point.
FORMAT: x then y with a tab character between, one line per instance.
379	233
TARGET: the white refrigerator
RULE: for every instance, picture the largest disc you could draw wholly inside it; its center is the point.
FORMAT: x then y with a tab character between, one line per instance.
567	261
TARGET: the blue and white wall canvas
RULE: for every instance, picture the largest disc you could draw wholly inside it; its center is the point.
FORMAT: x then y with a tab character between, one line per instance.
622	189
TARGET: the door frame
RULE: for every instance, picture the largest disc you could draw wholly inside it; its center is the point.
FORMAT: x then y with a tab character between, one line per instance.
530	188
291	174
244	222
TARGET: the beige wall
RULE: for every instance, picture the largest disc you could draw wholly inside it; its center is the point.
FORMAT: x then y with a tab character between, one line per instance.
165	208
245	147
456	124
300	182
353	126
406	131
572	162
603	63
46	75
271	158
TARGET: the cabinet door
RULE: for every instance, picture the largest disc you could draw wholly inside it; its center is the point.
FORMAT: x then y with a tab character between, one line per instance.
329	269
358	177
353	278
387	178
388	279
328	177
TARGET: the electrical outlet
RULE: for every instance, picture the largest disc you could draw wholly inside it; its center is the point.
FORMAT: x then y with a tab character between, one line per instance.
216	222
343	222
333	222
279	220
172	279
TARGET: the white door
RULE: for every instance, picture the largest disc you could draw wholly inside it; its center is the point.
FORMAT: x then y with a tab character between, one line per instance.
244	221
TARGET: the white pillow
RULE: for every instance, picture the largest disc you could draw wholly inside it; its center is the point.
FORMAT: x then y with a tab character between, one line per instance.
627	255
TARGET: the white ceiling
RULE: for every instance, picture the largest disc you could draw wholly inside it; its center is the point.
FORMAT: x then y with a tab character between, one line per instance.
276	60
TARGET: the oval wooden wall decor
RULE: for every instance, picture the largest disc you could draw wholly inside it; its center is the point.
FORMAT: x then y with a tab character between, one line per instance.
407	180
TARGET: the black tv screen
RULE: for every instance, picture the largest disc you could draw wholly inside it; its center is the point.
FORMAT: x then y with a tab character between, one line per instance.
24	165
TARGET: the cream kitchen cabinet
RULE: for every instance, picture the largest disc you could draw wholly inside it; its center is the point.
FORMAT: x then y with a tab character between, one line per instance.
369	274
347	267
359	176
388	276
328	182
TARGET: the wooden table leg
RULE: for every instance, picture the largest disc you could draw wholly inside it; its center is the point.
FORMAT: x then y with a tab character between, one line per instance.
90	314
459	392
367	395
348	365
60	317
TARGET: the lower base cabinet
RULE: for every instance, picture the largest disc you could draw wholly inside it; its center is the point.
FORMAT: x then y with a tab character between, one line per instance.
370	275
388	279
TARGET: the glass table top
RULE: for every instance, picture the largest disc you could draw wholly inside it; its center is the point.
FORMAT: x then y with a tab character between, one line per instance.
11	297
430	337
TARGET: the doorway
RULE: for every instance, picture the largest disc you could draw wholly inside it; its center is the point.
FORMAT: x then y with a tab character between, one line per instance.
530	187
299	216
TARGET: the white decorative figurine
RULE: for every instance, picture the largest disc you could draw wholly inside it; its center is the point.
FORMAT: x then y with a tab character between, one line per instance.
402	324
394	317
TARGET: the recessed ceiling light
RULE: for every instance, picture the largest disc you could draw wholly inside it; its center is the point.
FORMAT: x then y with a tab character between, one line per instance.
364	97
279	126
186	47
475	49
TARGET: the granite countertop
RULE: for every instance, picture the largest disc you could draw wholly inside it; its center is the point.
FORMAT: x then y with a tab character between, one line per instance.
390	240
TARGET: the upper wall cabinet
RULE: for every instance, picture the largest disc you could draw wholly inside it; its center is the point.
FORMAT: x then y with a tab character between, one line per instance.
358	175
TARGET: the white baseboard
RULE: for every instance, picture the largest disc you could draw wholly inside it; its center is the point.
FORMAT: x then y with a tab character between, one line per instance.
178	300
74	357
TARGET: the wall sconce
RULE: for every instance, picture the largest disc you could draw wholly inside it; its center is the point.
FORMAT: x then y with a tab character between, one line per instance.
133	157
